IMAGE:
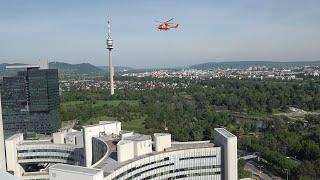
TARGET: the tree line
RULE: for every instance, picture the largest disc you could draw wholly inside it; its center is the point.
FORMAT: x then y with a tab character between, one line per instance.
193	113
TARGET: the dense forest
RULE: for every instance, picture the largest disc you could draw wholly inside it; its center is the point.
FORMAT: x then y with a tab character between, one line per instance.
244	107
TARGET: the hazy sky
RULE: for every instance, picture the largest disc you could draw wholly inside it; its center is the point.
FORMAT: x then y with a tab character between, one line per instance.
75	31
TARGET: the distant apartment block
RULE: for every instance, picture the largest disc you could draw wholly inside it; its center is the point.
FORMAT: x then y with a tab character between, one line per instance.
30	101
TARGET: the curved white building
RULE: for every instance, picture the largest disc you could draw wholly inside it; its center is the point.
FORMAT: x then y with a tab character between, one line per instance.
187	161
104	152
21	155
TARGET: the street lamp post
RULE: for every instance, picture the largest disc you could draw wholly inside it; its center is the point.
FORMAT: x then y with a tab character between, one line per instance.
287	174
173	137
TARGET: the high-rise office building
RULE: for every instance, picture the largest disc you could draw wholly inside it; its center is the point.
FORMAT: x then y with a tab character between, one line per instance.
30	101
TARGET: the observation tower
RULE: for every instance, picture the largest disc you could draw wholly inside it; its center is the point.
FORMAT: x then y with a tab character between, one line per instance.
110	47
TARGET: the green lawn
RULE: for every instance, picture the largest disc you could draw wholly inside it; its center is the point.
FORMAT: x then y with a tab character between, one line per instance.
70	103
102	102
95	120
258	115
136	125
117	102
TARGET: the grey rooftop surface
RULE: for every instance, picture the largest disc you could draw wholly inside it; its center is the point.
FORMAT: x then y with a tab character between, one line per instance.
76	169
138	137
100	123
42	139
225	133
36	142
72	134
45	142
180	146
110	163
124	142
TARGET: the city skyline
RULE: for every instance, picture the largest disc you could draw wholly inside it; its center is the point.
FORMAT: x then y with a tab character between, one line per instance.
74	32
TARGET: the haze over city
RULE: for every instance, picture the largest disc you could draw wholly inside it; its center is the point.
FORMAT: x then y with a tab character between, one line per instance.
170	89
75	31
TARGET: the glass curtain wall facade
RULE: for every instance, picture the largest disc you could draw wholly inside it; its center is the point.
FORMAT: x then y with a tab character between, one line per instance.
31	102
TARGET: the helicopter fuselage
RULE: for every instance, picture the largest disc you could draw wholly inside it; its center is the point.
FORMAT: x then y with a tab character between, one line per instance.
166	27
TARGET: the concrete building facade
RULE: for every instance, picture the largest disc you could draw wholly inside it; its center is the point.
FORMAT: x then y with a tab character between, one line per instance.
136	156
195	163
228	142
68	172
104	128
20	154
107	153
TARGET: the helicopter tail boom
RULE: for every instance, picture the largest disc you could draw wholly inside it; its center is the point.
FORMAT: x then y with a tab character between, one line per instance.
176	26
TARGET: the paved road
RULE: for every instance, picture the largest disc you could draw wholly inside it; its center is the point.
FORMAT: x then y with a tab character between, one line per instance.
250	167
253	167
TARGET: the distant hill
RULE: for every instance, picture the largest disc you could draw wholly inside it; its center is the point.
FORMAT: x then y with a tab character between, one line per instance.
116	68
66	69
247	64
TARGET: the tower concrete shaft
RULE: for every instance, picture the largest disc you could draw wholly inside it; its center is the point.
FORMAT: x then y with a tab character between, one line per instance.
110	47
111	73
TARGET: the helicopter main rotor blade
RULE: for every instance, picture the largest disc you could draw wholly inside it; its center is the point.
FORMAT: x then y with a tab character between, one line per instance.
170	20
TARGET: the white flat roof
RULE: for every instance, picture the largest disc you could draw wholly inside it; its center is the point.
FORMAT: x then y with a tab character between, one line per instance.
22	66
7	176
225	132
101	123
76	169
161	134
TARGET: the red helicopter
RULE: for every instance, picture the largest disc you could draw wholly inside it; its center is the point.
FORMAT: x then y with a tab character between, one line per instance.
166	25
